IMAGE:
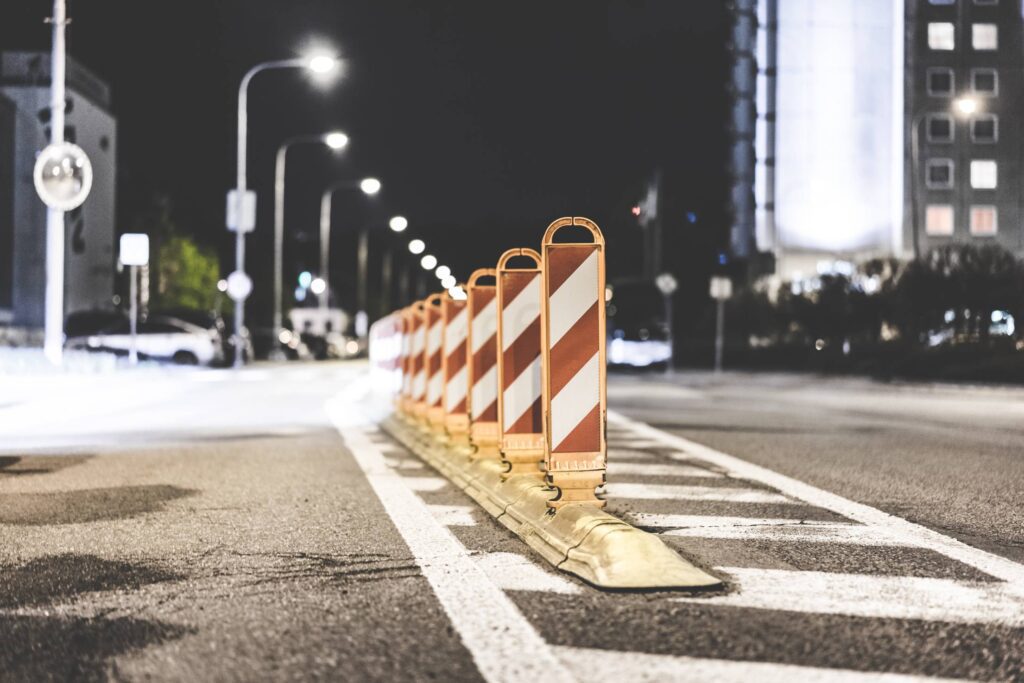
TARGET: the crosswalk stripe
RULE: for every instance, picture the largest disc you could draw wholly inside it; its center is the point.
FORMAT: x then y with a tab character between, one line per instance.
453	515
762	529
709	493
644	469
874	596
600	666
425	484
404	463
514	572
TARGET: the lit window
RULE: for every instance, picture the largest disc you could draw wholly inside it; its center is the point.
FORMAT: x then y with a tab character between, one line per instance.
985	81
984	36
941	2
984	220
985	2
985	128
983	174
940	128
941	35
939	174
940	82
939	219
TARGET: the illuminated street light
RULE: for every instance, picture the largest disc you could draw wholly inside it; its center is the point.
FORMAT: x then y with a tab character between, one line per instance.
398	223
457	293
966	105
448	282
442	272
417	246
428	262
222	285
318	286
336	140
322	64
370	186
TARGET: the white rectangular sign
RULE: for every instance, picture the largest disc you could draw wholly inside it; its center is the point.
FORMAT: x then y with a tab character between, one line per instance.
241	211
134	249
721	287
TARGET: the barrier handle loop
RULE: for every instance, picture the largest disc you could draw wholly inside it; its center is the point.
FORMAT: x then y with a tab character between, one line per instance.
580	221
479	273
513	253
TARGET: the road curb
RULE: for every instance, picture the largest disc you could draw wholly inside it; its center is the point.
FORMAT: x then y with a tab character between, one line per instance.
581	540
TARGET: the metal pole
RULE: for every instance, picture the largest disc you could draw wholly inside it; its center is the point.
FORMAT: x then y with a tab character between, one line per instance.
385	284
53	327
403	286
719	334
671	335
363	254
325	245
915	210
279	169
133	295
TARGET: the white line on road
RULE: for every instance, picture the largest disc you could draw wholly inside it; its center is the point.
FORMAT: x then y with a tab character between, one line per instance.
425	484
453	515
644	469
707	493
514	572
909	533
404	463
600	666
874	596
504	646
744	528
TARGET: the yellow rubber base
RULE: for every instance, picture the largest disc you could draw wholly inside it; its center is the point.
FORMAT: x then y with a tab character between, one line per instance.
582	540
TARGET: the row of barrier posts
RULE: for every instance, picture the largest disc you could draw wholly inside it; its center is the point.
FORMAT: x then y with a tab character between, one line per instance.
515	371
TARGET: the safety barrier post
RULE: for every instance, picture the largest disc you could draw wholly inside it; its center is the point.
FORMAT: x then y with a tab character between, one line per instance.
404	360
453	365
520	421
419	368
433	415
575	383
482	375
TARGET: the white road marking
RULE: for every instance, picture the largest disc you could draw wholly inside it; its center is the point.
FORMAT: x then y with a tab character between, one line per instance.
752	528
876	597
492	629
404	463
425	484
710	493
609	666
453	515
618	468
514	572
908	533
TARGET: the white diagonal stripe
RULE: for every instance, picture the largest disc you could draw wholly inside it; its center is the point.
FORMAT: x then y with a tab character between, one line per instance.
875	597
419	384
485	324
575	401
456	389
485	392
522	393
435	385
574	298
417	341
455	333
434	338
520	313
711	493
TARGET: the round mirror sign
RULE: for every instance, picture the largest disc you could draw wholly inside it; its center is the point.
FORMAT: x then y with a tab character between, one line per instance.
63	176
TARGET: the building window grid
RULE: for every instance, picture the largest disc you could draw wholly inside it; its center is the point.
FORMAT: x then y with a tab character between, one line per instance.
939	174
941	36
940	128
978	133
984	220
981	75
984	174
985	36
939	220
940	76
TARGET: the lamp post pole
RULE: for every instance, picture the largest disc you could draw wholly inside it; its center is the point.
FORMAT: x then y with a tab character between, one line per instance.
53	329
369	187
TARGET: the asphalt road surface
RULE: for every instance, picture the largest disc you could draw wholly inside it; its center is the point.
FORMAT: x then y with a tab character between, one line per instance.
256	525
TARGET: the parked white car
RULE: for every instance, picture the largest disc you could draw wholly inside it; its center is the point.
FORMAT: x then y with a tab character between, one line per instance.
159	337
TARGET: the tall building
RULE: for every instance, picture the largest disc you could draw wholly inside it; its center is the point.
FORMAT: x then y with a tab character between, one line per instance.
881	128
89	238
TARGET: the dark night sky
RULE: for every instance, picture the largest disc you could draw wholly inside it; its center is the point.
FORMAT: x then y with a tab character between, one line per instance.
484	120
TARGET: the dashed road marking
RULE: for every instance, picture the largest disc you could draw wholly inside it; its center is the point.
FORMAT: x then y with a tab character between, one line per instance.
453	515
515	572
644	469
707	493
752	528
425	484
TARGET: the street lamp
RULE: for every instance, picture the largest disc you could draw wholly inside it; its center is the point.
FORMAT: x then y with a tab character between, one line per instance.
417	247
369	187
317	64
398	224
429	262
336	140
964	106
442	272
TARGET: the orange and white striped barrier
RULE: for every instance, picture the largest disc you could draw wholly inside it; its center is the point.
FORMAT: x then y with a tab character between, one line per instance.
385	346
520	421
454	317
432	355
405	351
575	384
482	375
418	385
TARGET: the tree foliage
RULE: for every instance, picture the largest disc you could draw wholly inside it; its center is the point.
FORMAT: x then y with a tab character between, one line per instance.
187	275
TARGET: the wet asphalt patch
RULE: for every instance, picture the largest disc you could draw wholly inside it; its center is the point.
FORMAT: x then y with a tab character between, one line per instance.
19	466
86	505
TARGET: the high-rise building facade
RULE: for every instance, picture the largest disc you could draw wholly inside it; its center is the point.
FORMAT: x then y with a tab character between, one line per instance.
883	128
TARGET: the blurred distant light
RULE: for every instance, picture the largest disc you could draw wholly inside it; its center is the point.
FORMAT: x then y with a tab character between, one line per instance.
691	217
318	286
352	346
305	279
336	140
322	64
449	282
398	223
285	337
428	262
417	246
222	285
635	210
723	258
300	293
369	186
457	293
966	105
442	272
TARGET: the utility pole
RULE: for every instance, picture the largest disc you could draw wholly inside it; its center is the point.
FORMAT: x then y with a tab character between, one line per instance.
53	333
